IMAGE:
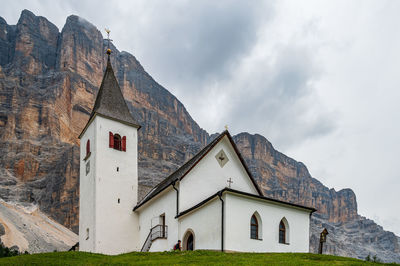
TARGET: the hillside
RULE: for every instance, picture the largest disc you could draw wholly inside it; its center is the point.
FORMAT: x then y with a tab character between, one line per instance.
48	83
30	230
184	258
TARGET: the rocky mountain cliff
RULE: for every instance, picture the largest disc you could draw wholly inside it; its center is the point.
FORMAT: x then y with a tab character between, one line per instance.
48	83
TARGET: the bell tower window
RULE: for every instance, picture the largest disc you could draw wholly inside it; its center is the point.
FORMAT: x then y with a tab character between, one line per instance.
117	142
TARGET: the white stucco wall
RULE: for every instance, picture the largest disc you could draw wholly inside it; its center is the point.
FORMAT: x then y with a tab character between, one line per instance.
115	226
164	203
87	192
205	223
238	211
207	177
160	245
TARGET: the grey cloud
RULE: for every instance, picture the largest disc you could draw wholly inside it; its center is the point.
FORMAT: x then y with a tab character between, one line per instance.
201	41
279	101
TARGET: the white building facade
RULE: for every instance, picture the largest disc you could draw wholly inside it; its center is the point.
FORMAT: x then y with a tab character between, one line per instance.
212	202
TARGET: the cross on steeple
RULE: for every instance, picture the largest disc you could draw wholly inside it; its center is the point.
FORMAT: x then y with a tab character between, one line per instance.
109	40
229	182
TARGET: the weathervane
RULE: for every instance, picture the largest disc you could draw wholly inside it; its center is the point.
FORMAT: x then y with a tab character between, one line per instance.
226	127
109	40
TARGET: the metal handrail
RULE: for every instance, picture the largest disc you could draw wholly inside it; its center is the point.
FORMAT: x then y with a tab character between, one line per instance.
156	232
159	231
147	243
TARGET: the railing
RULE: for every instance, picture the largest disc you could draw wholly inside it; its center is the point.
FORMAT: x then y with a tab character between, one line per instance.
147	244
158	231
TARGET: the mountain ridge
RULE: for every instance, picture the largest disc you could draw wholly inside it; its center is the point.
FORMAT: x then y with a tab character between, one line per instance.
49	80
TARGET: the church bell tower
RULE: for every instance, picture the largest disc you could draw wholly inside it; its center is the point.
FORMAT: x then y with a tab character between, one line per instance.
109	173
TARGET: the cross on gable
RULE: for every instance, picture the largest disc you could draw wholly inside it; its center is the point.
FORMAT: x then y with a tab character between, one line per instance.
229	182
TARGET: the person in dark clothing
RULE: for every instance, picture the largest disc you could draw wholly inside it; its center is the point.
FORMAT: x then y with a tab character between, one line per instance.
178	246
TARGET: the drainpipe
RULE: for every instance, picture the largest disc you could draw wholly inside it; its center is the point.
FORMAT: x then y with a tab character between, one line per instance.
222	221
177	198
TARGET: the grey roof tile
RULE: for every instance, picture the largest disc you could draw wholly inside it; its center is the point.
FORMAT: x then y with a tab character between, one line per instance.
109	101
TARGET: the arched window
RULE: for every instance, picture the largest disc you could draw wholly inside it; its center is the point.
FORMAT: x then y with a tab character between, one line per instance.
284	231
254	227
87	147
116	142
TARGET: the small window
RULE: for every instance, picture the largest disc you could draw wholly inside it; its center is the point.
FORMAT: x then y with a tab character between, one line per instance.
87	233
87	147
253	227
282	233
87	150
117	142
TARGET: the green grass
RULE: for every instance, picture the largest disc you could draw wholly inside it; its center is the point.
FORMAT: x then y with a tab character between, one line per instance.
183	258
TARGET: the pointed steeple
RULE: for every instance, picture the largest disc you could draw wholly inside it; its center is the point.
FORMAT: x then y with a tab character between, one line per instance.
110	102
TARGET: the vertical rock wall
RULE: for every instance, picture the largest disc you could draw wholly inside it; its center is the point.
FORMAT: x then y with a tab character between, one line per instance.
48	84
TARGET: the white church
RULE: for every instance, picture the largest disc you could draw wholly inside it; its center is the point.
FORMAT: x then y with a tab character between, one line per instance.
211	202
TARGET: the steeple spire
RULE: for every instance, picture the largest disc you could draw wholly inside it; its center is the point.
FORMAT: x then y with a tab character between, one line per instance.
110	102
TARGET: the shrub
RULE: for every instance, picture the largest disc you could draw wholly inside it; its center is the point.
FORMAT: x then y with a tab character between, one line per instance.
7	252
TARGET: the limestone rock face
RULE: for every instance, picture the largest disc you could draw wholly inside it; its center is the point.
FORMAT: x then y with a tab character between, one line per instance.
48	84
35	44
357	238
283	178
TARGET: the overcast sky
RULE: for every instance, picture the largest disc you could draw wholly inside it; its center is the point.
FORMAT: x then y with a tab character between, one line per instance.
319	79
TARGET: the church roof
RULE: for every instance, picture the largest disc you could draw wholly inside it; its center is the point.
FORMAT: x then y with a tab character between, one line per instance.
110	102
184	169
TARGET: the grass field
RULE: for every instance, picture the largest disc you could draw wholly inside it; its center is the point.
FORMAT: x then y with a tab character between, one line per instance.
183	258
